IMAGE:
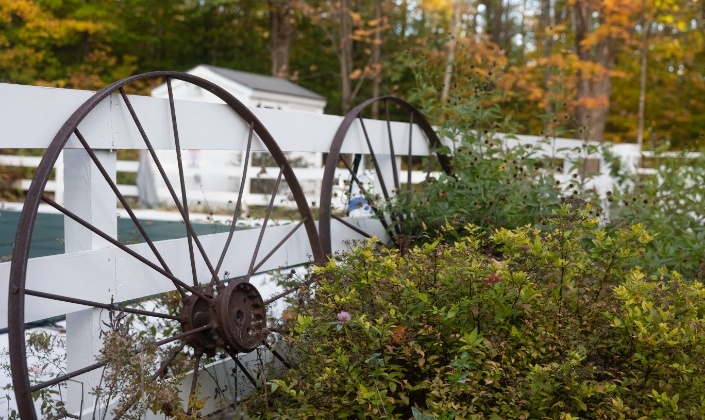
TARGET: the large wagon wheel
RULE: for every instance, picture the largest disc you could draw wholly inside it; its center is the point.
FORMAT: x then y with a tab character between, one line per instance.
214	314
386	186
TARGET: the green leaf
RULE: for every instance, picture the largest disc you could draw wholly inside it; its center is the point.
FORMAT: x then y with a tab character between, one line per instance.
472	339
418	415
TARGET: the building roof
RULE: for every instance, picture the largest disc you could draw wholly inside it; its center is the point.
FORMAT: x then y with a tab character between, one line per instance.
264	83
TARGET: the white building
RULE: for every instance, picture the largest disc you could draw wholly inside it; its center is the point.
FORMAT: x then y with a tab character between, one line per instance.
253	90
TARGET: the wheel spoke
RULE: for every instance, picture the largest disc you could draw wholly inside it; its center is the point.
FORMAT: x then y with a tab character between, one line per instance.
65	377
236	212
264	224
354	171
380	178
124	203
177	146
287	292
279	356
353	227
279	245
123	247
110	307
175	337
374	161
166	362
408	161
365	194
140	350
242	367
430	169
170	187
391	147
353	174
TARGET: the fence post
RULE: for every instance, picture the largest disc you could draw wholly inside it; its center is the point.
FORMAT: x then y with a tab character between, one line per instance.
87	195
59	179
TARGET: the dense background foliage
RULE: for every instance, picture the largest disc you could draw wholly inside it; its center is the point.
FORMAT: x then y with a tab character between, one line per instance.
580	61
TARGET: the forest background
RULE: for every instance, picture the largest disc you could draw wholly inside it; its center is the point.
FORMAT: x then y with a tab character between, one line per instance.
618	70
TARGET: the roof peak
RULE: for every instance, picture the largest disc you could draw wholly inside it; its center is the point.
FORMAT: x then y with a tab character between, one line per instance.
262	82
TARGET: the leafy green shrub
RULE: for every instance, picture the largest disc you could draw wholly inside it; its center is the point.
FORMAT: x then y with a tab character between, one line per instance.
562	324
668	202
492	186
495	187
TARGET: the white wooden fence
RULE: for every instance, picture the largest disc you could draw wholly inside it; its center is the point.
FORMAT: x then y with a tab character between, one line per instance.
31	116
296	132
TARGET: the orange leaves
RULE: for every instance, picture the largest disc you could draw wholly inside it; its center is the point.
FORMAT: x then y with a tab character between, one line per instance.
592	70
369	71
617	19
356	18
366	30
556	30
593	102
398	334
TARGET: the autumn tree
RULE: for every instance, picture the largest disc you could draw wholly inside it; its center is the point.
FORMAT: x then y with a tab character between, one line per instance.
62	44
597	40
353	29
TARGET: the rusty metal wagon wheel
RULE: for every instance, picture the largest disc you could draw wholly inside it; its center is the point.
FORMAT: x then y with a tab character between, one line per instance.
393	170
216	313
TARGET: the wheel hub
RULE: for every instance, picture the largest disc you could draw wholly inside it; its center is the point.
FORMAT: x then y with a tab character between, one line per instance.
242	317
237	316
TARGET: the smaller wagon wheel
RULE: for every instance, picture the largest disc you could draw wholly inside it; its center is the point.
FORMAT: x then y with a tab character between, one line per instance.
208	312
378	180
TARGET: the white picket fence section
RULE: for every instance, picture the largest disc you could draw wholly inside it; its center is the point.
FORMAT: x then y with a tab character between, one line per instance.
215	174
31	116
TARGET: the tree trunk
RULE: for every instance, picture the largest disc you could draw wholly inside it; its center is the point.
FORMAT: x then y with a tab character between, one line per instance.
594	87
522	32
450	60
346	55
544	25
494	11
282	32
377	57
404	18
583	15
646	28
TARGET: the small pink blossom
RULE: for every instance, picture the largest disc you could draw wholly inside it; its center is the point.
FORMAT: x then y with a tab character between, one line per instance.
344	317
